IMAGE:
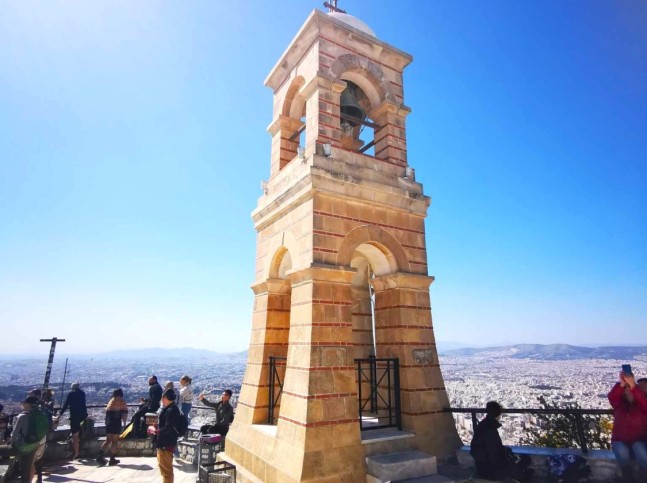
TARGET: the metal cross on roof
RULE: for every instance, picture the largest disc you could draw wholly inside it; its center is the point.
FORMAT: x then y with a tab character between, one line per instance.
332	7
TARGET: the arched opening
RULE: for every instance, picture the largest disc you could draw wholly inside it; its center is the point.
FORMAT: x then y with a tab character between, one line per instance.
375	374
293	138
369	259
278	326
357	129
370	88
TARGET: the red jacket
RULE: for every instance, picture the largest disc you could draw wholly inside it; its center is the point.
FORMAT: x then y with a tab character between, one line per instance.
629	420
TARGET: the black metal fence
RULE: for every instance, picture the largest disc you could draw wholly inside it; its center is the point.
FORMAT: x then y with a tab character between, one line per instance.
575	416
378	382
276	377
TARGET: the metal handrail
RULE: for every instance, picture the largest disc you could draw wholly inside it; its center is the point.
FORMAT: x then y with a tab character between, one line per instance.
576	412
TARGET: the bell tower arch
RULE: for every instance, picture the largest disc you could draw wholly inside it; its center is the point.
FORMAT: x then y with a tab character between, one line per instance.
341	263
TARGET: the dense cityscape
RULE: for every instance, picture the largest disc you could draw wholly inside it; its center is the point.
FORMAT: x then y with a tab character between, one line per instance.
471	381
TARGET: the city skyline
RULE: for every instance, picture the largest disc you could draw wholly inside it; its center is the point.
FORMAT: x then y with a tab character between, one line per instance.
134	144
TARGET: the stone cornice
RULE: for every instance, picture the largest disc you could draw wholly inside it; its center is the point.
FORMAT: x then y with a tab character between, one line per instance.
321	272
402	280
388	107
284	122
311	29
271	285
322	80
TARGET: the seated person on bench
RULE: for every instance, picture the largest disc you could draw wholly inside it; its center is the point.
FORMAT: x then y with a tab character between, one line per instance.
224	414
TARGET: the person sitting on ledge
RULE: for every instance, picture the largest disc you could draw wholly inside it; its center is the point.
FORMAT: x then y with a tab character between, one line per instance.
629	435
224	414
150	405
493	460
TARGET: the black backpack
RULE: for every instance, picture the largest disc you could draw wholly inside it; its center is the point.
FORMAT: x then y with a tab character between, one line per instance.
183	425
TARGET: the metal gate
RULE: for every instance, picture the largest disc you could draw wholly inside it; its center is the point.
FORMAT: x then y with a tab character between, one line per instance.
378	382
276	377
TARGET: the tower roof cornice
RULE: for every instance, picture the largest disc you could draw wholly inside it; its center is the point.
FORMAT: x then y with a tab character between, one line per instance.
316	26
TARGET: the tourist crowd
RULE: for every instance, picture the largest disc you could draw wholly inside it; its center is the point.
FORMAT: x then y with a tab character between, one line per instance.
164	415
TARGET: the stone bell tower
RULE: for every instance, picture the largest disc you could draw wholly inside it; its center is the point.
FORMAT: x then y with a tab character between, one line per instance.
341	265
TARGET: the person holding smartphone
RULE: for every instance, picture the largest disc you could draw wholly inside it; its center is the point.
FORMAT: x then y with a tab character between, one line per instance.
629	436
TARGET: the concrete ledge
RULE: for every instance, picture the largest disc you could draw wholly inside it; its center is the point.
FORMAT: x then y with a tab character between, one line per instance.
602	462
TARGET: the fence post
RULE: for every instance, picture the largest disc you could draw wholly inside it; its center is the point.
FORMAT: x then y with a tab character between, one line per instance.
580	432
372	362
396	387
359	399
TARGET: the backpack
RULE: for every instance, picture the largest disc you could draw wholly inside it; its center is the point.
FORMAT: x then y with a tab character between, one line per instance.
37	429
568	468
38	426
183	426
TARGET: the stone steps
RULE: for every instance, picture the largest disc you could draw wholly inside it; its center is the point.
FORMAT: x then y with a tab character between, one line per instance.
391	467
381	441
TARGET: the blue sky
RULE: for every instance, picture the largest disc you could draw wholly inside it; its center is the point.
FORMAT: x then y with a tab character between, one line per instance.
133	143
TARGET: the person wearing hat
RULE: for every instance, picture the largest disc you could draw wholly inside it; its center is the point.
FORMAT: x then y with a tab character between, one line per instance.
493	460
19	439
167	434
75	401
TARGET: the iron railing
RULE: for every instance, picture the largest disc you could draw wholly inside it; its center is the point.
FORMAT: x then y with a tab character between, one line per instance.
378	382
575	415
274	381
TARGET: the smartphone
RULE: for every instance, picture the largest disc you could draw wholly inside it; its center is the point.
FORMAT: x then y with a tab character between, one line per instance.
626	368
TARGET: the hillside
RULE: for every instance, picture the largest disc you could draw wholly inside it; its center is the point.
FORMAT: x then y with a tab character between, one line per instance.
555	352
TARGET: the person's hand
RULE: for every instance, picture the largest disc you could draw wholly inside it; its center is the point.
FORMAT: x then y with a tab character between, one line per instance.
621	378
630	380
201	396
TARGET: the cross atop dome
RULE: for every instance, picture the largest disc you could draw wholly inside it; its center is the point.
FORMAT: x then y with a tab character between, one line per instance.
332	7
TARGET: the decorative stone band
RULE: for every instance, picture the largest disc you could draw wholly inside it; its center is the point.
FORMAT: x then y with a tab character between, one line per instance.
322	368
369	222
422	413
321	396
424	389
320	423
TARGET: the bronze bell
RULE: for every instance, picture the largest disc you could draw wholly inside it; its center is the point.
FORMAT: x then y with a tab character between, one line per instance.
350	106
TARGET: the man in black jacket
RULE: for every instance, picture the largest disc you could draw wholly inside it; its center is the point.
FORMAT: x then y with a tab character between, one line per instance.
167	434
224	414
151	405
493	460
75	400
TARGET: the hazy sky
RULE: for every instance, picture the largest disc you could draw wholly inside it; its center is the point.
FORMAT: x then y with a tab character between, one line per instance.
133	142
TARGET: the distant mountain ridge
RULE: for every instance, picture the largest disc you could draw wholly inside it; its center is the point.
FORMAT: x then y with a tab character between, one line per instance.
554	352
547	352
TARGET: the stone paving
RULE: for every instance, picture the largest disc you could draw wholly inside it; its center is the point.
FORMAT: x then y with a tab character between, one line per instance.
130	469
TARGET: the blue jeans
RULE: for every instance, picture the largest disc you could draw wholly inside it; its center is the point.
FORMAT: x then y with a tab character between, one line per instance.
186	409
623	452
